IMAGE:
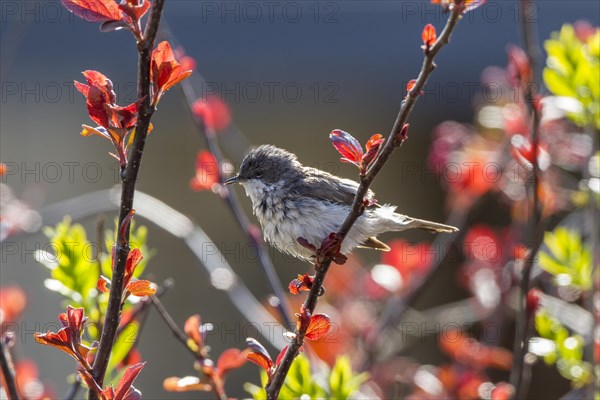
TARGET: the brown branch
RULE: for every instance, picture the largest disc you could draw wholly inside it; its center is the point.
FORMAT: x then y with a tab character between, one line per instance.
8	370
519	376
393	141
128	178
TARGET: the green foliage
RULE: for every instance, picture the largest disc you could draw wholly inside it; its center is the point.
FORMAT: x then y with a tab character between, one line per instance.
568	259
573	70
339	383
568	350
74	268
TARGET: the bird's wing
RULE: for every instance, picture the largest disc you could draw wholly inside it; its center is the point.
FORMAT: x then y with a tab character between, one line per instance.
323	185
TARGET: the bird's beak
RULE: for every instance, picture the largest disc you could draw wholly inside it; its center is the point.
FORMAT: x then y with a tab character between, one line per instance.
233	179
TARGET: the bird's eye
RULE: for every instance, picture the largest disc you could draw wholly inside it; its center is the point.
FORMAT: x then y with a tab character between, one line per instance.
259	174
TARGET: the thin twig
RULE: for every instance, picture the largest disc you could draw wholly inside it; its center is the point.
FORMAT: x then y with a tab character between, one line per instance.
129	178
175	330
183	339
8	371
519	376
393	141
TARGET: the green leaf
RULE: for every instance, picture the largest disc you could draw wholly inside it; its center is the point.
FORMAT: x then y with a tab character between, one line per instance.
75	266
567	256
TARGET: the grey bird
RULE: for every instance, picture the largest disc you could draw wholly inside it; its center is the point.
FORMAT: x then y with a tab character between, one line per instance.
292	201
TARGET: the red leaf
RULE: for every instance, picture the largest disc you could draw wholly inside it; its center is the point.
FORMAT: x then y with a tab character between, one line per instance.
372	146
231	359
302	284
133	259
347	146
123	229
281	354
124	385
192	329
134	10
141	288
303	319
103	284
165	70
259	355
207	172
68	339
318	327
213	112
429	36
94	10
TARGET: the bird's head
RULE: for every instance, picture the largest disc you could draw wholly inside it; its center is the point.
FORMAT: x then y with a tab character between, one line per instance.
267	164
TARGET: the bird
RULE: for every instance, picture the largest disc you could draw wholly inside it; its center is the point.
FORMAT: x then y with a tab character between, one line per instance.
294	203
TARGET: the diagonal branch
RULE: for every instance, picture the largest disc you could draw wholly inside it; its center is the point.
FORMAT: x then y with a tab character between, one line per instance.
128	182
394	140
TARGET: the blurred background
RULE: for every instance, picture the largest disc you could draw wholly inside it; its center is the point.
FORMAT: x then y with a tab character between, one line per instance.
290	71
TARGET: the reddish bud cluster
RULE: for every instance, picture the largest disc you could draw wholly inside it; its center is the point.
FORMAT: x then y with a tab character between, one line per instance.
68	339
351	150
301	284
213	113
429	36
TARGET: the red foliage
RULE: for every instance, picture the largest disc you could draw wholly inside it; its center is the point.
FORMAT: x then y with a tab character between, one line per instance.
213	112
301	284
192	329
95	10
207	172
318	326
352	151
125	390
68	338
165	71
429	36
229	360
101	102
259	355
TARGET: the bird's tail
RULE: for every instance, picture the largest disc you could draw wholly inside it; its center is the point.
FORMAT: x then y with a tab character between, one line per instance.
429	225
397	222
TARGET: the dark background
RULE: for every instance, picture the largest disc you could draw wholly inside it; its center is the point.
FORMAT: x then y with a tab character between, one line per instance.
351	61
